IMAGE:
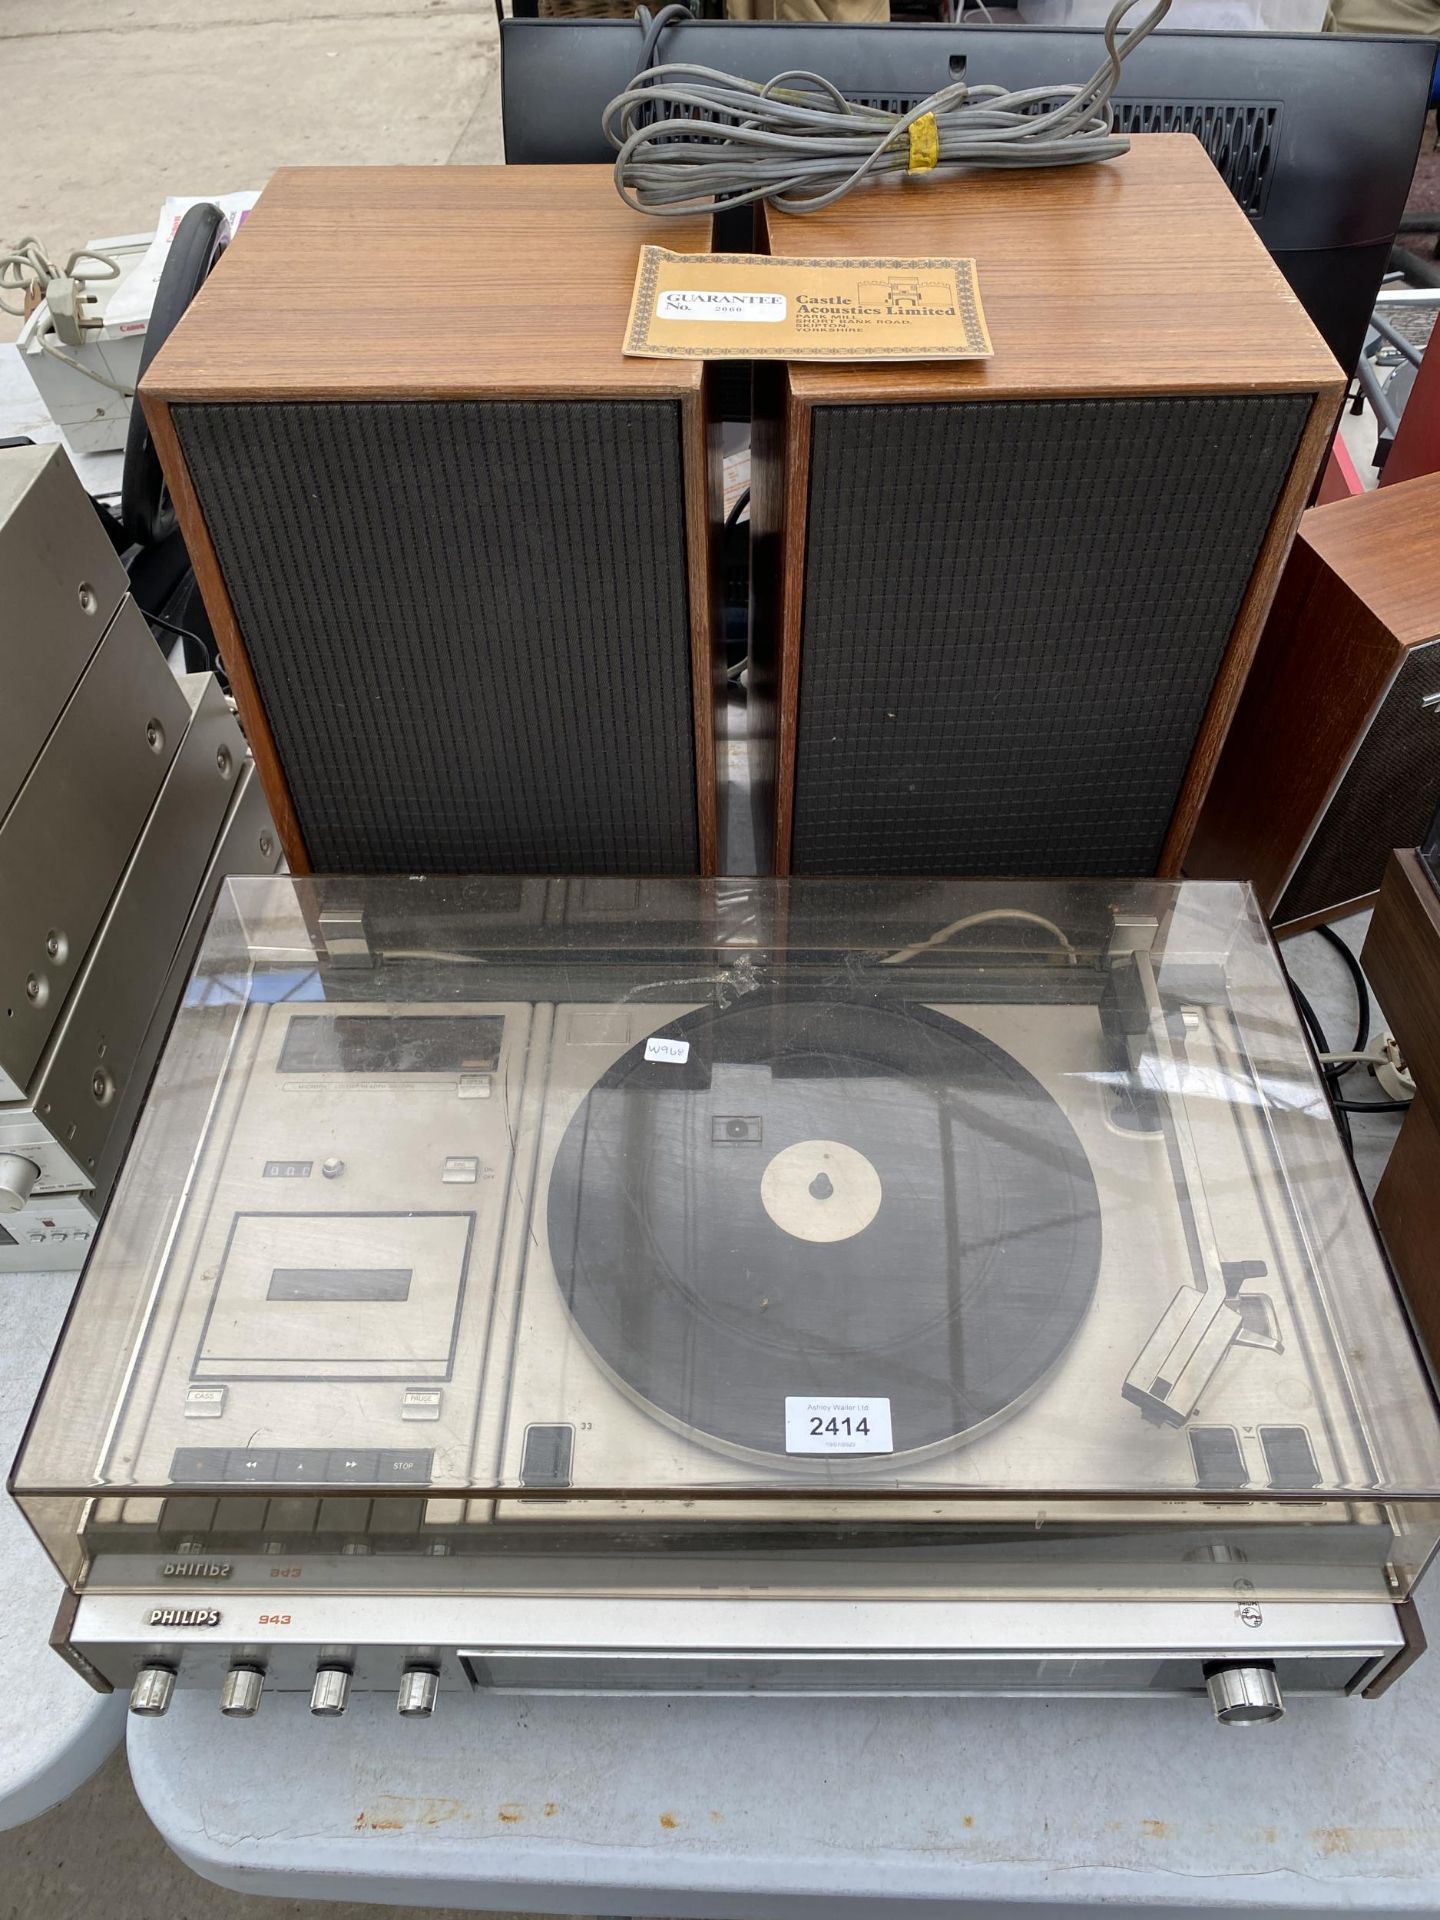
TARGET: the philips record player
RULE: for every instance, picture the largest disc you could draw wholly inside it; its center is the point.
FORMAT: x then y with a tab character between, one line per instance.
910	1287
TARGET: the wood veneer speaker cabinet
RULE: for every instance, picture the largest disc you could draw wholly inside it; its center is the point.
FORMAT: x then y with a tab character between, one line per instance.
1004	608
455	546
1401	957
1334	754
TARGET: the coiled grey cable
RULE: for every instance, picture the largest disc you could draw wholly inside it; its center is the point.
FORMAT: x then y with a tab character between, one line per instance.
687	137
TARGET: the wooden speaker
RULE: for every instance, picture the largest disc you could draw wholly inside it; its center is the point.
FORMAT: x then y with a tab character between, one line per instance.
1334	754
455	546
1401	958
1004	608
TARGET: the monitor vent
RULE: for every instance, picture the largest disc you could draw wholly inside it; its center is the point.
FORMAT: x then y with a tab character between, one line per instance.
1239	136
888	102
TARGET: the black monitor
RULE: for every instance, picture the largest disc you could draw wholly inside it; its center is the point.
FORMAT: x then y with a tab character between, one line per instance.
1315	135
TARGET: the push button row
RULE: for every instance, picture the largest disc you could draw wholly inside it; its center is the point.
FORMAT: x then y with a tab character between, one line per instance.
303	1466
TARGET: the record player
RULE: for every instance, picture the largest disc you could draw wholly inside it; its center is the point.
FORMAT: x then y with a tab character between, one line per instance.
908	1287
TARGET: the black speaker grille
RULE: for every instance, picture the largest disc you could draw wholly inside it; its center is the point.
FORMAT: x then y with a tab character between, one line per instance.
1386	798
469	625
1014	613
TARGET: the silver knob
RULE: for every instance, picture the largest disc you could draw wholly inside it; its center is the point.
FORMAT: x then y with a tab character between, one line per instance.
1244	1696
331	1691
240	1694
152	1691
17	1181
419	1690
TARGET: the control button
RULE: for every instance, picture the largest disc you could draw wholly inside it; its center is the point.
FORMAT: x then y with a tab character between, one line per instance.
547	1456
332	1168
191	1517
1218	1459
1244	1696
245	1515
203	1403
291	1516
404	1466
17	1181
35	1237
1289	1458
473	1086
303	1464
419	1690
240	1693
152	1691
192	1465
352	1463
421	1403
331	1691
60	1233
343	1514
80	1234
460	1170
255	1464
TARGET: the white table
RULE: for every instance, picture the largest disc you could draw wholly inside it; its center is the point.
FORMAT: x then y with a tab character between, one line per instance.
781	1808
54	1732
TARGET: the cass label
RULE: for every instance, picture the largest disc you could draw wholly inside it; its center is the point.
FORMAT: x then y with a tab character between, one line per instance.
676	1052
683	303
837	1426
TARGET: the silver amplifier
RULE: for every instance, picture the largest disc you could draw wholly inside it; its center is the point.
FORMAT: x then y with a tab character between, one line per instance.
60	1150
89	726
63	587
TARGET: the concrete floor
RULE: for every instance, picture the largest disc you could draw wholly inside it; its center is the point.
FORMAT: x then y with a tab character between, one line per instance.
110	105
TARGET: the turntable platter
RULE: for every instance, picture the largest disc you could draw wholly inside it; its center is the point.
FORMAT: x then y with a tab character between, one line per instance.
827	1197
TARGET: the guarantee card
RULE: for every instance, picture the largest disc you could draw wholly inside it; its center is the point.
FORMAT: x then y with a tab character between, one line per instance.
750	306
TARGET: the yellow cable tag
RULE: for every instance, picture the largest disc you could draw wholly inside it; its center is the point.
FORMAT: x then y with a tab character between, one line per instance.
924	144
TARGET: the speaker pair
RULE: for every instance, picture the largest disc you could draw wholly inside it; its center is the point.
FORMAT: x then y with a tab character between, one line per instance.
462	556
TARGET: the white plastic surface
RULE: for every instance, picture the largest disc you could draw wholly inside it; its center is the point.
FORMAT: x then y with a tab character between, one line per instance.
780	1809
22	411
54	1731
94	418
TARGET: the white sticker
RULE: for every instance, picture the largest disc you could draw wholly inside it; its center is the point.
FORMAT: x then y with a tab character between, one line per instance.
837	1426
675	1052
679	303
